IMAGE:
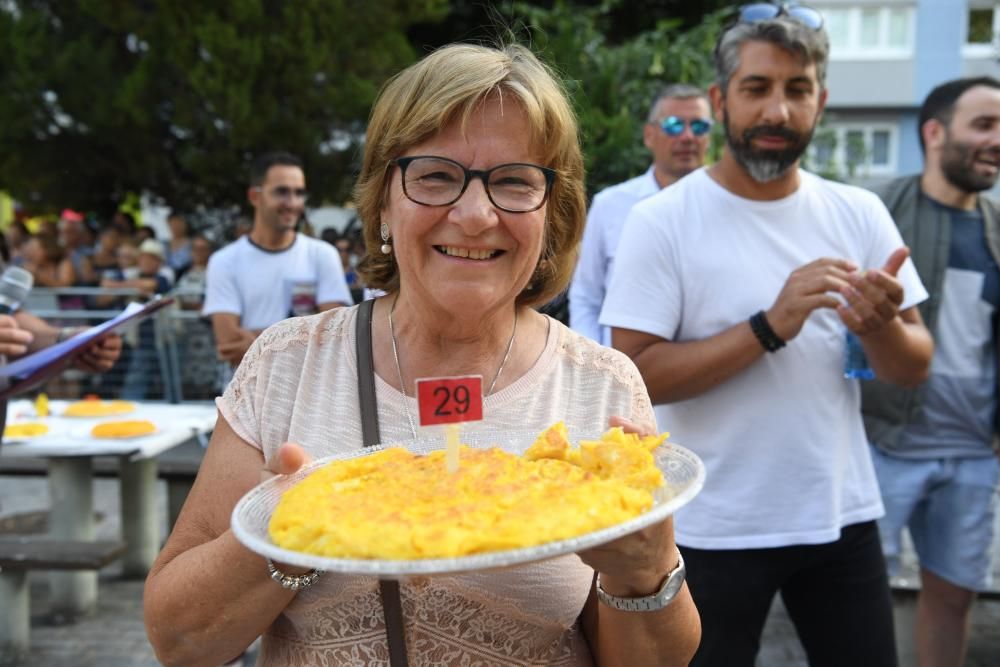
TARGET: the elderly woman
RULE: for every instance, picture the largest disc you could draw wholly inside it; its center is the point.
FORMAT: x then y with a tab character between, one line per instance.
472	199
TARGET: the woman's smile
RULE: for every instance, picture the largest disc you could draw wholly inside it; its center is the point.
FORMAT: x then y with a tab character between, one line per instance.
477	254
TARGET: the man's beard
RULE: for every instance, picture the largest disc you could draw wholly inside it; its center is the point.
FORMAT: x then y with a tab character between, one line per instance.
765	165
958	166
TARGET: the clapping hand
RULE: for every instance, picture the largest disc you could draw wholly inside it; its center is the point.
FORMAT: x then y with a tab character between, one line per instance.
809	287
874	296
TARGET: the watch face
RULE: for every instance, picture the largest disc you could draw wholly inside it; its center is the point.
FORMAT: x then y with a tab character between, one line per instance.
654	602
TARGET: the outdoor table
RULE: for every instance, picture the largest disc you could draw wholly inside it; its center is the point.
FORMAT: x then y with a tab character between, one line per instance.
69	450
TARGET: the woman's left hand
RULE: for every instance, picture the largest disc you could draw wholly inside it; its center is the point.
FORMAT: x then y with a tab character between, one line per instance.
635	565
288	459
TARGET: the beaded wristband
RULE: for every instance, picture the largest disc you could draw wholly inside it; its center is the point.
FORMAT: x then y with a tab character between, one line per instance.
769	340
296	582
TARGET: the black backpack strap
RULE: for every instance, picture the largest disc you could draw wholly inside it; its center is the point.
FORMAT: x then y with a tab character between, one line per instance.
392	604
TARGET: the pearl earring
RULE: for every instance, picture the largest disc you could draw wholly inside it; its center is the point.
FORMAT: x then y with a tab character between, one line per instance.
386	246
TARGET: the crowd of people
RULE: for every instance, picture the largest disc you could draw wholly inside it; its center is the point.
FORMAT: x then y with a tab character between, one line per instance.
115	262
118	261
714	301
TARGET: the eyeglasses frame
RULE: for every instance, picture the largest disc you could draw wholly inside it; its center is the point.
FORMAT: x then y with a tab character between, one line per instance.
481	174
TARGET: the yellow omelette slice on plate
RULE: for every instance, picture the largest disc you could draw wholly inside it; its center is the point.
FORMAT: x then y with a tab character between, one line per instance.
25	430
98	408
123	429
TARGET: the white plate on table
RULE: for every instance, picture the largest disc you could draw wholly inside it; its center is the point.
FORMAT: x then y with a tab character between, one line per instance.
683	472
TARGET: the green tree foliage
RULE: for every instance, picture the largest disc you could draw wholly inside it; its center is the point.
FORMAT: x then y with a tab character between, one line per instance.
613	84
107	97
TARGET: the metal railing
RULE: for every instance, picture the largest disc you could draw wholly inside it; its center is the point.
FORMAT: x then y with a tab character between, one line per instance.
169	357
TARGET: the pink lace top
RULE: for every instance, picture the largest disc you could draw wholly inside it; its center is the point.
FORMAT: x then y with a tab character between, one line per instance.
298	383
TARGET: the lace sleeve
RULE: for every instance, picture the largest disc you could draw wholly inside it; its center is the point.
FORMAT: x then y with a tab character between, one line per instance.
642	407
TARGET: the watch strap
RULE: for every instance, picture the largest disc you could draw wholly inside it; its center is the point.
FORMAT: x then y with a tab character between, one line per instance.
655	602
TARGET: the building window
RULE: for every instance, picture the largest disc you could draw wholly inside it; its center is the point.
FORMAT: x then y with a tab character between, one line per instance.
982	29
980	26
849	150
855	147
858	33
837	29
822	150
899	28
871	20
880	156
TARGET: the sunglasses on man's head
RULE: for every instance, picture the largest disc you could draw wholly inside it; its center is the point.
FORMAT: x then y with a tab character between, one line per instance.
765	11
673	126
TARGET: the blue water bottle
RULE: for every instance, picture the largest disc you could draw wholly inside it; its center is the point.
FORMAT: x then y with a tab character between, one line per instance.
855	362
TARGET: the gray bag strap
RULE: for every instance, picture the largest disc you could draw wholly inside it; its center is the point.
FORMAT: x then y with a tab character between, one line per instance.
392	604
366	374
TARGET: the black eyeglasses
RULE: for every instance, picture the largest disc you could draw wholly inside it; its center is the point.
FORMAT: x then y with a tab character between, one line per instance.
673	126
765	11
287	193
437	181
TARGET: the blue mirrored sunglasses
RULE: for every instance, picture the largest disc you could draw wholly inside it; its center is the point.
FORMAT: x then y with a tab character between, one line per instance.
765	11
673	126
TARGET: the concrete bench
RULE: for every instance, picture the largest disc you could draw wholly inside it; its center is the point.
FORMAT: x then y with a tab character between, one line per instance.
19	555
178	470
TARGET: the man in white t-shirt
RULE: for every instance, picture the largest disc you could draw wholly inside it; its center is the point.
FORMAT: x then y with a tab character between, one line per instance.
733	292
676	133
273	272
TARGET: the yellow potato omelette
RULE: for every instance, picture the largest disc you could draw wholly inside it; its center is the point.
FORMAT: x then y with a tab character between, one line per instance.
396	505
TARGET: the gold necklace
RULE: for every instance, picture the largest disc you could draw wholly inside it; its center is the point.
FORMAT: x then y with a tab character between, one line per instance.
399	370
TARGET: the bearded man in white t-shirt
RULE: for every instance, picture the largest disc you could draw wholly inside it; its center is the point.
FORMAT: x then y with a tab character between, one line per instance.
733	292
273	272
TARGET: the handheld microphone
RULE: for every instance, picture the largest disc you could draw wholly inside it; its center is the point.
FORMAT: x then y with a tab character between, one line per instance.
15	283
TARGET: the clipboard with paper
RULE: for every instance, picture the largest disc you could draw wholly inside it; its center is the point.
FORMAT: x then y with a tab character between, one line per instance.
32	370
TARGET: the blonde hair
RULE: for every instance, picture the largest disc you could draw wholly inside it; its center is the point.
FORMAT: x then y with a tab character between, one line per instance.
448	86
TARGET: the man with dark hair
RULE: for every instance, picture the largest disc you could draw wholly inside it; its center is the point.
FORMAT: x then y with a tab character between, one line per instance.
273	272
934	446
676	132
733	292
124	222
262	164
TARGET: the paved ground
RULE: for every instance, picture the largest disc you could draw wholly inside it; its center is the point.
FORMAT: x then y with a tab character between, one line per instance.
114	636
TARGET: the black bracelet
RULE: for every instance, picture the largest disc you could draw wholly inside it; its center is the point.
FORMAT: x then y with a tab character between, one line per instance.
769	340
